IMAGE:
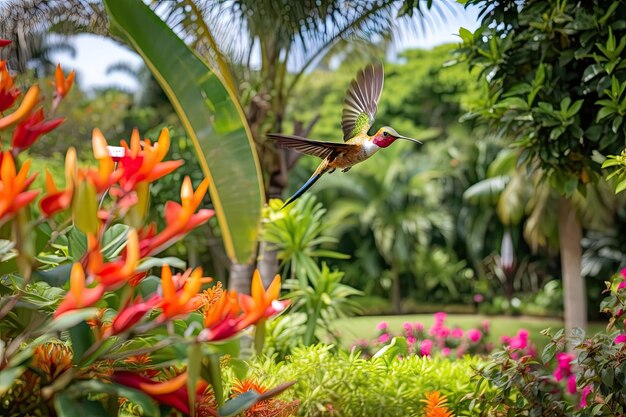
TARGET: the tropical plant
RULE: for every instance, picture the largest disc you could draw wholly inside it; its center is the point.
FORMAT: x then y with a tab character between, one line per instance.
296	234
330	381
553	73
211	115
82	320
397	200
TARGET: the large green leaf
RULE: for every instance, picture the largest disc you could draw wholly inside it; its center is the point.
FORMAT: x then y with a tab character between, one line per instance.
212	117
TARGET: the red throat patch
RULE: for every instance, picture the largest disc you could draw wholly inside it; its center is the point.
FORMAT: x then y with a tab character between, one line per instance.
383	141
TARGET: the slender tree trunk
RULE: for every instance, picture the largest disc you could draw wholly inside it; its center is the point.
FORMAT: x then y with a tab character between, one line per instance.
570	236
240	278
395	288
267	263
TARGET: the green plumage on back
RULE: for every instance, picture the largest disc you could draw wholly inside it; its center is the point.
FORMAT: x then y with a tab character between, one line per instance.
361	124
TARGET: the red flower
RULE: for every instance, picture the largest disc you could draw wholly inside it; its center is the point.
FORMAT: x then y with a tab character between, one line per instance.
4	42
131	314
26	106
29	130
57	200
172	392
8	93
14	185
180	292
79	295
115	273
180	219
142	160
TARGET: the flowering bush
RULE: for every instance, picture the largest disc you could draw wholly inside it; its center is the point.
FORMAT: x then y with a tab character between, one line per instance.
439	339
84	324
587	380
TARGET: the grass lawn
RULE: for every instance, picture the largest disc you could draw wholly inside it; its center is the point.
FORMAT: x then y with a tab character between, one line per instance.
364	327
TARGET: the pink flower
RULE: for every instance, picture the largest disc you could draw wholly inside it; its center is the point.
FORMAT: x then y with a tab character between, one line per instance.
425	347
564	370
623	283
419	327
440	317
411	340
621	338
445	351
383	338
457	333
486	326
408	327
382	326
571	384
584	395
474	335
478	298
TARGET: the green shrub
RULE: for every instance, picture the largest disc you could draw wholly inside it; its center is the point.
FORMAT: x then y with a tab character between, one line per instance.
331	382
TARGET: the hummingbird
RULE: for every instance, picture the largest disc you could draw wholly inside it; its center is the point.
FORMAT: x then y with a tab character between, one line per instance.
359	109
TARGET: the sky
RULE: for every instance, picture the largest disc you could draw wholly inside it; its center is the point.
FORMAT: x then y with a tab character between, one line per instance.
95	54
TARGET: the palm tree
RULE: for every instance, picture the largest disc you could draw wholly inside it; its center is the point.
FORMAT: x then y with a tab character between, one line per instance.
398	201
289	37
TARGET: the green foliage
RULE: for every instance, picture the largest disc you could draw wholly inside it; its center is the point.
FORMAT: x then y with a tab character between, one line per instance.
554	79
333	382
296	232
211	116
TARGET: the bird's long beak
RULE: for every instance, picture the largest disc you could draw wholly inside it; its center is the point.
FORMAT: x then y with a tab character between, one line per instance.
409	139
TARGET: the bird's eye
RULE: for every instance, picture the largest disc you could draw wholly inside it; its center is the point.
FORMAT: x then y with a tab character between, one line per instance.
385	134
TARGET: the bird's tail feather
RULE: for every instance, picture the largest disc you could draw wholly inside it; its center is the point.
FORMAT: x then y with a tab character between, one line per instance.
316	176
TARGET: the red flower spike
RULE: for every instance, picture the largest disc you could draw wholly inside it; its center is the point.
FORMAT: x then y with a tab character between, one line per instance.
79	296
142	161
55	200
24	109
8	92
63	84
14	193
131	314
114	274
172	393
4	42
29	130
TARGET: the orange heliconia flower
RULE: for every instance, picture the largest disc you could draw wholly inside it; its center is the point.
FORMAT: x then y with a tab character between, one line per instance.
8	92
14	193
180	292
116	273
25	108
57	200
271	407
52	359
172	392
79	295
63	84
180	218
106	175
436	405
231	314
143	161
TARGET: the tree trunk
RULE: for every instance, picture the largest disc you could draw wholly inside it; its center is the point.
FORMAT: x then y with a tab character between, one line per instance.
395	289
570	236
240	278
267	263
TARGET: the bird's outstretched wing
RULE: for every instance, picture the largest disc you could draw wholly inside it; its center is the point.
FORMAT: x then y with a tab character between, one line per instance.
310	147
361	102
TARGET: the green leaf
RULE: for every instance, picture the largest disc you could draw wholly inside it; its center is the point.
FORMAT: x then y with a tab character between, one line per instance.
620	187
66	406
55	277
604	112
8	376
70	319
239	404
82	339
114	240
213	374
194	365
466	35
548	352
149	263
212	116
77	244
95	386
